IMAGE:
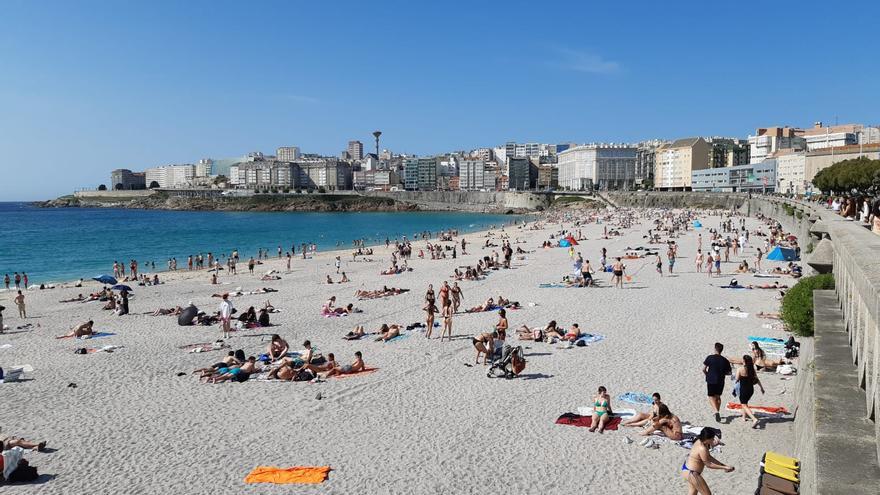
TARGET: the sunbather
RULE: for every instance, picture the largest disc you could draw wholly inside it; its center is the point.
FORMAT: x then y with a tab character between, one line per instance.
356	366
643	419
325	366
170	311
573	333
278	348
387	332
238	374
665	422
602	412
8	442
81	330
486	306
78	298
760	359
229	361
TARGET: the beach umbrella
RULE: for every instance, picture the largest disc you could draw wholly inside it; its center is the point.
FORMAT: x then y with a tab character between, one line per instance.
121	287
105	279
571	241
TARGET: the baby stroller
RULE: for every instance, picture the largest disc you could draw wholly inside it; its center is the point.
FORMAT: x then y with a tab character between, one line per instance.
511	363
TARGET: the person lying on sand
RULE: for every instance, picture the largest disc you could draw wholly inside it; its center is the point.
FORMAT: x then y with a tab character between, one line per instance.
486	306
484	343
327	365
270	277
238	374
387	332
269	308
645	419
78	298
277	348
81	330
111	304
774	285
761	361
383	292
770	316
170	311
665	422
357	333
356	366
573	333
229	361
9	442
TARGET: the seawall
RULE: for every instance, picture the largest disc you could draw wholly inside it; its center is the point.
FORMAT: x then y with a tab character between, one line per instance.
476	201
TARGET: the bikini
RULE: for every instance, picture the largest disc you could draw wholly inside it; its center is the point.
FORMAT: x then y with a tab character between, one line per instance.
601	404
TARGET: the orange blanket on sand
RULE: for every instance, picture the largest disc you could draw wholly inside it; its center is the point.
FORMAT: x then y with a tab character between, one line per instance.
283	476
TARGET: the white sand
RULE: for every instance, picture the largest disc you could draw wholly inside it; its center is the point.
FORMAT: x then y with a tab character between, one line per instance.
424	423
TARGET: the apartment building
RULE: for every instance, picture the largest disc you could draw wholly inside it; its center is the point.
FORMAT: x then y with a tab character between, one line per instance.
769	140
675	162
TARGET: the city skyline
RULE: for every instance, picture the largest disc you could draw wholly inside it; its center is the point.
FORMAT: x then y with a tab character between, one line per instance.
98	87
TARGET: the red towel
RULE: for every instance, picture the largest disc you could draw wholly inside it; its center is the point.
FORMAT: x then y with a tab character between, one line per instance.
585	421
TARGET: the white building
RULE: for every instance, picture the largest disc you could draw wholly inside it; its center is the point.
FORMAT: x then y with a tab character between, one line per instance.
791	169
769	140
471	175
205	167
287	154
821	137
606	166
170	176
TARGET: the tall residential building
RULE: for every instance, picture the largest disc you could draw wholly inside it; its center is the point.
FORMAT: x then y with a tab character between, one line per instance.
287	154
602	166
646	152
820	137
427	174
869	135
769	140
728	152
791	168
355	150
470	175
548	177
675	162
205	168
522	174
170	176
123	179
411	174
484	154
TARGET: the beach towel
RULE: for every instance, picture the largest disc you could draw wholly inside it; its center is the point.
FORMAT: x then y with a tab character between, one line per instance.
623	414
589	338
774	410
557	286
291	475
766	275
365	371
635	398
93	336
737	314
734	287
397	338
714	311
573	419
767	340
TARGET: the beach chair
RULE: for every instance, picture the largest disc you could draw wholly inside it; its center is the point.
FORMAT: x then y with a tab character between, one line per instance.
781	460
784	473
777	484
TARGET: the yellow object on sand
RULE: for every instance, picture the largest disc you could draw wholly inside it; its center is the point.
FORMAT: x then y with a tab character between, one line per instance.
782	461
283	476
784	473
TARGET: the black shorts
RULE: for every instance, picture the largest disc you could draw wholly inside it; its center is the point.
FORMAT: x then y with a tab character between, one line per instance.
714	389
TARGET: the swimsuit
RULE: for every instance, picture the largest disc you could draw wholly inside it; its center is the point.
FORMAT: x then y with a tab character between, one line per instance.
601	404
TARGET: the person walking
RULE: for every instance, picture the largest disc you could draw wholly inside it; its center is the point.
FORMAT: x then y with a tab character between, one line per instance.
716	368
6	281
746	379
19	301
617	270
17	280
225	315
24	278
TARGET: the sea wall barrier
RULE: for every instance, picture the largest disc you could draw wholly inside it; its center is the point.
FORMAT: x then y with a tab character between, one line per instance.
469	200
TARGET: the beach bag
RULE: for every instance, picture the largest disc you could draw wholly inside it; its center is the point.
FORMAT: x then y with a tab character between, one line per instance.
736	389
518	360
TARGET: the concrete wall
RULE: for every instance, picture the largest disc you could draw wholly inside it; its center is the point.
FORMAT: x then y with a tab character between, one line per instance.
468	200
653	199
113	194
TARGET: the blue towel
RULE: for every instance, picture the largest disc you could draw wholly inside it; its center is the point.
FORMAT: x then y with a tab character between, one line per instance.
589	338
555	286
769	340
99	335
398	338
265	357
635	398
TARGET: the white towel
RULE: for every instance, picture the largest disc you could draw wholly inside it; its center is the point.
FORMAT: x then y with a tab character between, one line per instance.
11	458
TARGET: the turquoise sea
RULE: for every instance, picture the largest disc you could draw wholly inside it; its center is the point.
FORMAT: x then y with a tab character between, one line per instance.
60	244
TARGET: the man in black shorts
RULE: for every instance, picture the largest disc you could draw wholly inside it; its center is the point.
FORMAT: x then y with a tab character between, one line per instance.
716	368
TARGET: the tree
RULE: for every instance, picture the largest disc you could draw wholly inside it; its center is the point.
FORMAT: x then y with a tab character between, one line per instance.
854	174
102	187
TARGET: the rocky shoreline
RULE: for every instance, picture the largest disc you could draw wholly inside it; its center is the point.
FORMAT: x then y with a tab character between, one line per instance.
315	202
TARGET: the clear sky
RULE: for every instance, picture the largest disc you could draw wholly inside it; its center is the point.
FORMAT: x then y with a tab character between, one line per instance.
86	87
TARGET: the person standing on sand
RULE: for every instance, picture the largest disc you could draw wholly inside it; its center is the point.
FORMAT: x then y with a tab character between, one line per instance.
457	294
24	279
617	270
758	257
6	281
289	257
251	264
1	318
19	301
716	368
447	321
659	265
17	280
671	255
338	264
225	315
699	260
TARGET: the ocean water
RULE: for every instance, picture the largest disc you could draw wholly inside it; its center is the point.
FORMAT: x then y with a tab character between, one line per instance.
59	244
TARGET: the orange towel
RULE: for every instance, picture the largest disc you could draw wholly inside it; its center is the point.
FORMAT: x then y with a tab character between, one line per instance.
362	372
767	409
282	476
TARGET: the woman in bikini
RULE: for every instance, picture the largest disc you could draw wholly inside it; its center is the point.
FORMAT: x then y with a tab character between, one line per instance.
760	360
277	349
699	459
644	419
601	410
387	332
354	367
484	343
447	321
665	422
81	330
430	311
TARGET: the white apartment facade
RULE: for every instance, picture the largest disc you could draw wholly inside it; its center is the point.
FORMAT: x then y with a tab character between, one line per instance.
769	140
674	163
605	166
287	154
471	175
791	169
170	176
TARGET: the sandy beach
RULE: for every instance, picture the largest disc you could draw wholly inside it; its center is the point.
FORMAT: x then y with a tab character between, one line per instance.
429	420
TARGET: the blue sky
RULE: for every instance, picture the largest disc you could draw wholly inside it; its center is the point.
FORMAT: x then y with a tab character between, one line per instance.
86	87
